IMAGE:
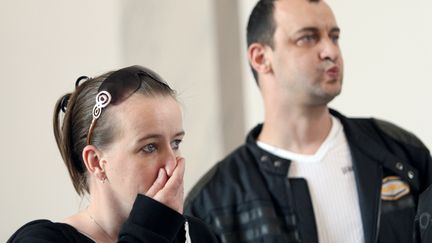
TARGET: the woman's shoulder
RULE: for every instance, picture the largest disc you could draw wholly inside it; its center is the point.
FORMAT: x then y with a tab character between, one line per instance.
43	230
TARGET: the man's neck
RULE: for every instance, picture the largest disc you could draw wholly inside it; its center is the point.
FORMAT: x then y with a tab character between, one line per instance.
300	130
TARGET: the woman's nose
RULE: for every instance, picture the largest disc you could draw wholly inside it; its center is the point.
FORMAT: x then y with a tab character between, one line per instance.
170	161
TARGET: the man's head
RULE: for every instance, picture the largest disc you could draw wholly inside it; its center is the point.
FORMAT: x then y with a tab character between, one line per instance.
295	43
261	25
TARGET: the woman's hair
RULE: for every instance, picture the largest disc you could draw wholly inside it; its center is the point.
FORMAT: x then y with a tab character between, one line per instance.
71	133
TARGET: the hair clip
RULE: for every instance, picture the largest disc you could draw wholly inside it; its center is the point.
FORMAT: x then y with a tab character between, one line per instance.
103	99
64	102
77	82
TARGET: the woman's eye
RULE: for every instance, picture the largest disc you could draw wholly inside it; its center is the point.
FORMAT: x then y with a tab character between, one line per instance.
149	148
176	144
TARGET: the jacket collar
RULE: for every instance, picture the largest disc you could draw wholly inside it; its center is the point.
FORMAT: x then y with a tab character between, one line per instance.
363	135
267	161
369	158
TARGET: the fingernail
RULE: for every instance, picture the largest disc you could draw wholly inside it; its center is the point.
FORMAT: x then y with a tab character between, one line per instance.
168	172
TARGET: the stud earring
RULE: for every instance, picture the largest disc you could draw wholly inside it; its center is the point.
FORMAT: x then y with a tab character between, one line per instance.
103	178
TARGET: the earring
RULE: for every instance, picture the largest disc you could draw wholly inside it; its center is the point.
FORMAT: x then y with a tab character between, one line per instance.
103	178
103	174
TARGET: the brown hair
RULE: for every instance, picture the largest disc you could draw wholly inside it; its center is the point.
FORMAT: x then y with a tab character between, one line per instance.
261	25
71	133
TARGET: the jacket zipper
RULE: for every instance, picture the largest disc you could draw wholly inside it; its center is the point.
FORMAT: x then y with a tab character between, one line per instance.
379	209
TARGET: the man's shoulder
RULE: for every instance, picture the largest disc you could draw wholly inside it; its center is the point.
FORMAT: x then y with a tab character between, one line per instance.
222	176
388	129
398	133
374	126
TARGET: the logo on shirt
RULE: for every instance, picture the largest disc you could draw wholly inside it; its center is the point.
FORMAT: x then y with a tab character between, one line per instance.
393	188
347	169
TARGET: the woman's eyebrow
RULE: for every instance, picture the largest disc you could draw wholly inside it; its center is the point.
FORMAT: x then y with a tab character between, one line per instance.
157	135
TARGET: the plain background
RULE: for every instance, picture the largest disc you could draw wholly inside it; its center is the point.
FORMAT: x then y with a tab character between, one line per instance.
198	46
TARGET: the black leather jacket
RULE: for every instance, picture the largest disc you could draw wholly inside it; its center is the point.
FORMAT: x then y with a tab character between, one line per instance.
247	197
423	221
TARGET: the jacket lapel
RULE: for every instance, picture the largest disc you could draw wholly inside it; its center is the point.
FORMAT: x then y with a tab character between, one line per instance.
368	174
367	163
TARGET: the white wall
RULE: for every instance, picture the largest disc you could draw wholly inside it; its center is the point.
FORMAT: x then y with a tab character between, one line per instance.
177	39
44	46
386	48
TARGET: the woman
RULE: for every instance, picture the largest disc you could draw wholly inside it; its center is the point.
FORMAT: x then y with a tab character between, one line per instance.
123	151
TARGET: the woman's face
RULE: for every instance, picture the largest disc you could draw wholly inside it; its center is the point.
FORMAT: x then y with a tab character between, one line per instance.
150	131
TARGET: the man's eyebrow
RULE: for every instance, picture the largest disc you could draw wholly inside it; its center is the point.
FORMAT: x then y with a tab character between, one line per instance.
315	29
335	29
308	29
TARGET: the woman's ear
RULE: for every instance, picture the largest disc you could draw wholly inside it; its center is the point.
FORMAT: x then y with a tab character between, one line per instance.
92	160
258	55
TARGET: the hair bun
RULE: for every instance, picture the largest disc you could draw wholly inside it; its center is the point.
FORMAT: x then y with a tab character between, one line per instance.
77	82
64	102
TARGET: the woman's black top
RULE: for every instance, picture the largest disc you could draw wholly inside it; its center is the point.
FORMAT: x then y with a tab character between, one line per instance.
149	221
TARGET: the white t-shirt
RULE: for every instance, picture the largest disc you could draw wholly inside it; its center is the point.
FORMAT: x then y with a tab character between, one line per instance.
330	178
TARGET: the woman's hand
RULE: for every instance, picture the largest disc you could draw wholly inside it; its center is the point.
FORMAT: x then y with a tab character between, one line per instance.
169	190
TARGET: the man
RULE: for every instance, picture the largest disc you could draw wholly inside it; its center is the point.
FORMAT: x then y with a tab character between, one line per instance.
308	173
423	220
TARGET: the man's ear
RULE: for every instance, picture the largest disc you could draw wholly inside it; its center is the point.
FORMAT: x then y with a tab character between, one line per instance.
93	162
259	59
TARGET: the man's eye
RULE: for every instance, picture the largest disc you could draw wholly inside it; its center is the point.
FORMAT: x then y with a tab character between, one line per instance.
335	39
307	40
176	144
149	148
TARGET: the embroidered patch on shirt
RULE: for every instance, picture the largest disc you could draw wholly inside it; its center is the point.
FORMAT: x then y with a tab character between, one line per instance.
347	169
393	188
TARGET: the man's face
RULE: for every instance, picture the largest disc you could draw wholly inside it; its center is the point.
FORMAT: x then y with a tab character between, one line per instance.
306	59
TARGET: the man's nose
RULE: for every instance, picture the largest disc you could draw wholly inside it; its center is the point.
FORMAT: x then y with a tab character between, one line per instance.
329	50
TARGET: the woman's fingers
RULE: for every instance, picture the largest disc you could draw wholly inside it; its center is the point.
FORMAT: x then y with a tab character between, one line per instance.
176	180
172	192
158	184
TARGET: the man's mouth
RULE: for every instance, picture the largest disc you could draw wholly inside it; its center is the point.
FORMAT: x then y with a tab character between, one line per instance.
333	72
